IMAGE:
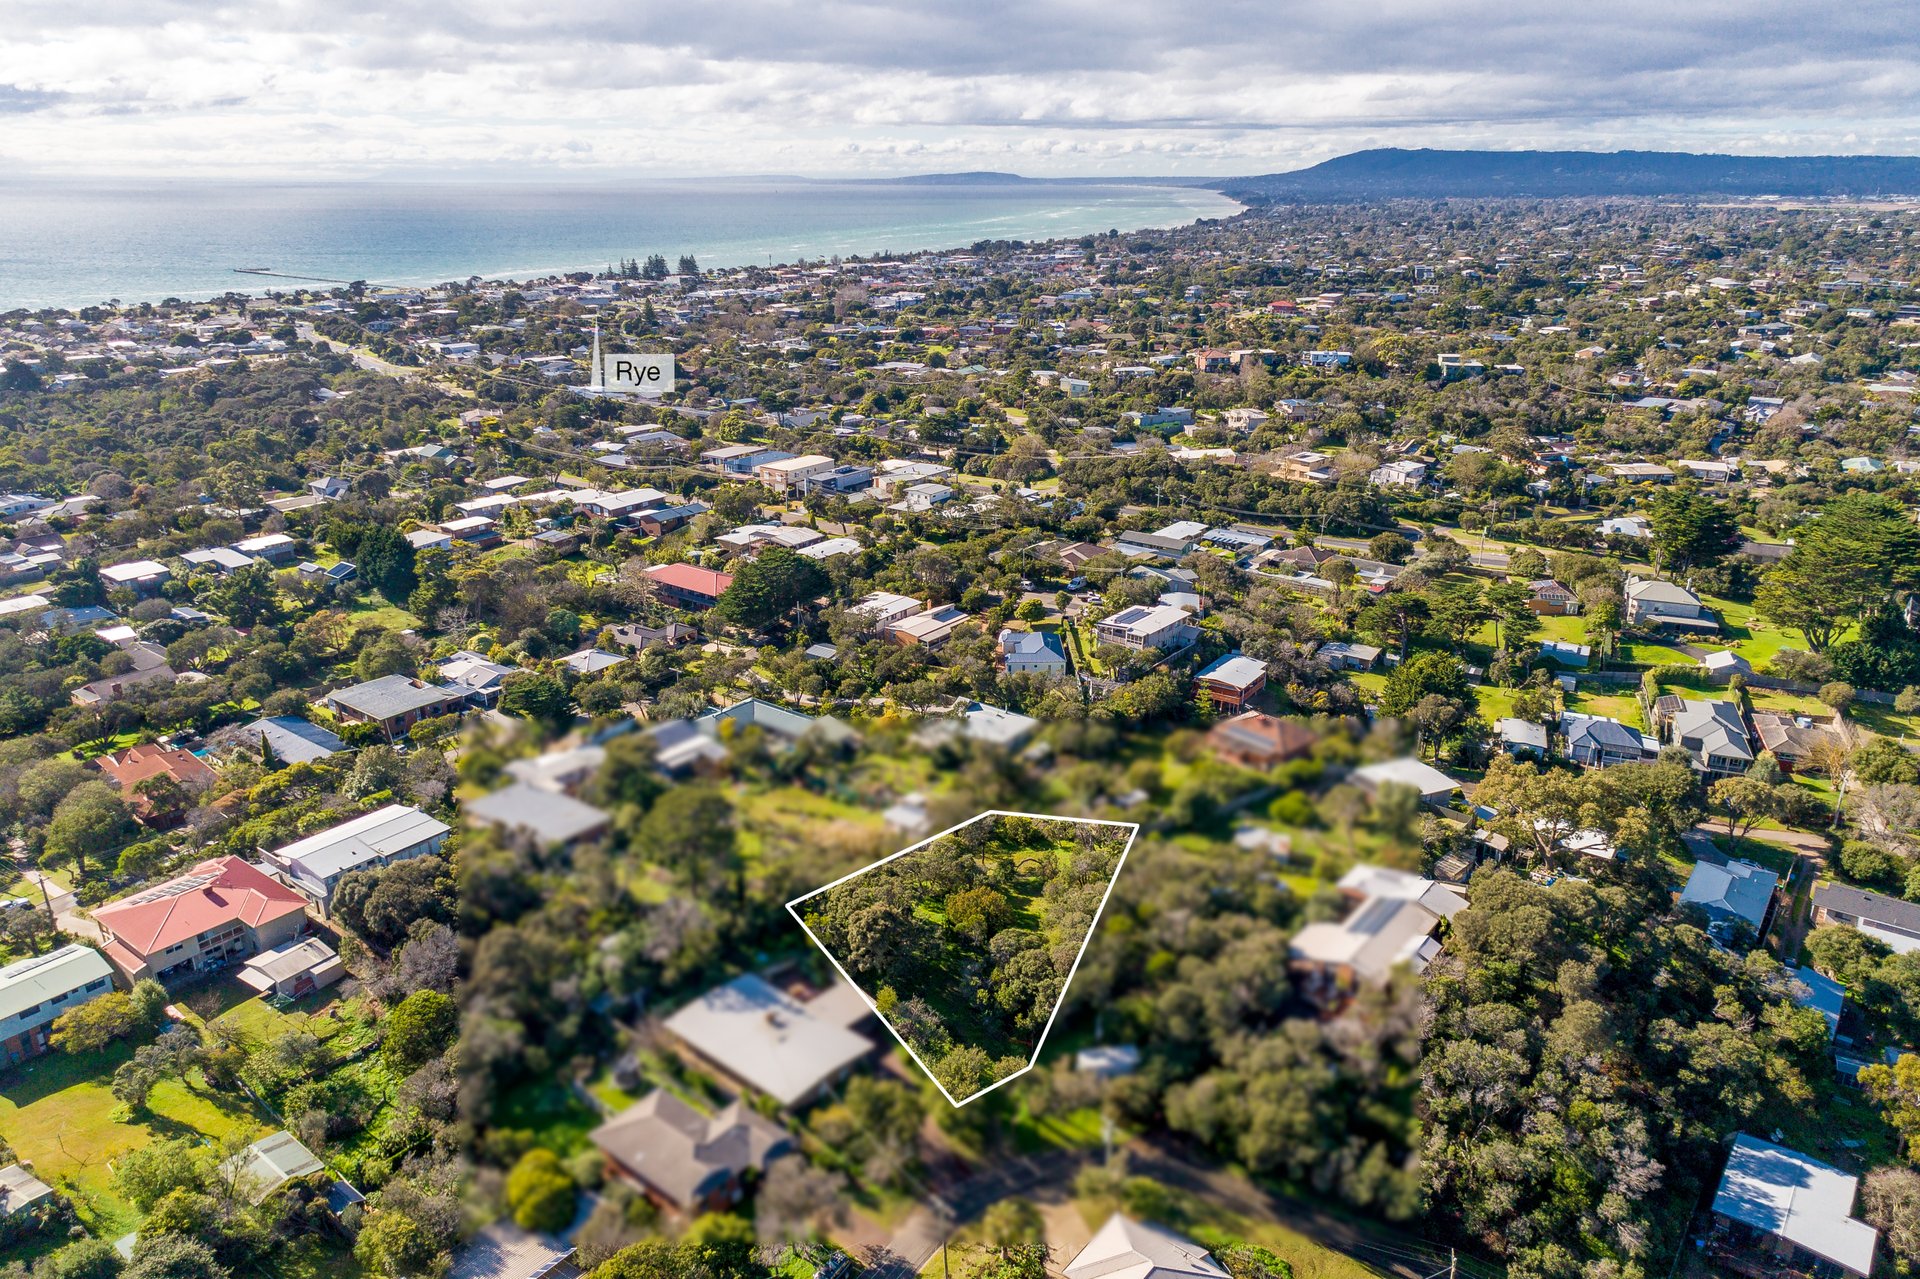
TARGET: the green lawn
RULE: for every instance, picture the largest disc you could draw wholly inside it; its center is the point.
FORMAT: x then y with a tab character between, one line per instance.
552	1113
58	1113
1621	706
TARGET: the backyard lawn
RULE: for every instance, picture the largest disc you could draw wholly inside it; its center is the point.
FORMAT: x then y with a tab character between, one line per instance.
58	1113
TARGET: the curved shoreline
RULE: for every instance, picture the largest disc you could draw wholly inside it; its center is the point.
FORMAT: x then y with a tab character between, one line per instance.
313	235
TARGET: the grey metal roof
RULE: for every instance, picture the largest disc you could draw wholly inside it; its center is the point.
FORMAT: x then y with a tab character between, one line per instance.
1739	889
549	817
392	695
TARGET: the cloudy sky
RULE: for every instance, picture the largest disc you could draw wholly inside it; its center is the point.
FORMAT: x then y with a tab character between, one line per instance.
384	88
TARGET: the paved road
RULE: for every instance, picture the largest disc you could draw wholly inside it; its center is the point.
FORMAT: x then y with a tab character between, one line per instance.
364	358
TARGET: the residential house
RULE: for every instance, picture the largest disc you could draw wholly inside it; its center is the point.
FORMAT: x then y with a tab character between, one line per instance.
684	1160
1144	626
552	819
929	629
149	667
784	726
503	1250
221	911
481	677
640	637
840	479
740	459
785	474
1129	1249
689	586
1778	1211
395	703
137	764
21	1191
763	1039
274	548
1712	732
269	1164
1521	738
1392	922
1889	920
1400	473
36	991
396	833
142	577
1342	656
978	722
1595	741
1652	602
293	740
883	608
591	661
1032	653
1736	894
1433	785
1549	598
1306	467
1257	740
1233	681
293	971
1797	741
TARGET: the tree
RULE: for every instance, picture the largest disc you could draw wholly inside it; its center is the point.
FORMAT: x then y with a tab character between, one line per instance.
90	822
1897	1089
148	1173
690	831
1692	530
1839	695
540	1194
1747	801
169	1256
766	588
1845	563
95	1024
420	1028
795	1198
537	697
978	912
1423	675
1890	1199
1393	548
1011	1222
83	1259
1252	1261
392	1243
383	903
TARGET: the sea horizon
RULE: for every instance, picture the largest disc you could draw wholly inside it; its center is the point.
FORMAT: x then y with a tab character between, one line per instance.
78	242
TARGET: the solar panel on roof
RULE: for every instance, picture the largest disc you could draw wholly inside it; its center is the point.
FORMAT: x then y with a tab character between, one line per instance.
175	888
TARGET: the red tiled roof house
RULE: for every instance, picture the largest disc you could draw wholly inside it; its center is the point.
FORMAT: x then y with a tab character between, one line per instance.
689	585
218	913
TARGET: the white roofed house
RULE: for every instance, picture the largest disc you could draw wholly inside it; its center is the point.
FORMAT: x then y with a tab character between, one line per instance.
142	577
1393	922
883	608
36	991
767	1041
1143	626
1128	1249
315	865
1778	1211
1652	602
785	474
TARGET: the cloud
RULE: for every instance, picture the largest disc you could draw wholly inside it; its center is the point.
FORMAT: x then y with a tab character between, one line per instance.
833	86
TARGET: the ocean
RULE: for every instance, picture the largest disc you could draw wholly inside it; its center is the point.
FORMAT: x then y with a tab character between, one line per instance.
70	244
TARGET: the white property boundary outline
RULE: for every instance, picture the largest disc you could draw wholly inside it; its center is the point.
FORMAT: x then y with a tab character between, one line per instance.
1133	833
